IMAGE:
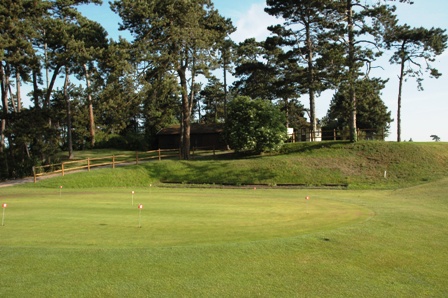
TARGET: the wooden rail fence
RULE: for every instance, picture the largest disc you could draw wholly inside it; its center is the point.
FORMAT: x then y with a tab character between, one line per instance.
113	161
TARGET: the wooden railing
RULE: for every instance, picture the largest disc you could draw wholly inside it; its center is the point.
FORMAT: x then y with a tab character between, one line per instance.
114	160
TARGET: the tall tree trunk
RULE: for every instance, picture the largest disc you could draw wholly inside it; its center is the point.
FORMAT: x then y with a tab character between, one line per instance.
18	93
51	86
69	115
225	87
310	78
13	102
47	71
4	95
91	116
351	71
35	89
186	117
400	86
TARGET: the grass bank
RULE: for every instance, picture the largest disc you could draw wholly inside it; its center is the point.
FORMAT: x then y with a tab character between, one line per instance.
363	165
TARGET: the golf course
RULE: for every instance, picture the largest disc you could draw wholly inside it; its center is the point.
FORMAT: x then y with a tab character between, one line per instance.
329	220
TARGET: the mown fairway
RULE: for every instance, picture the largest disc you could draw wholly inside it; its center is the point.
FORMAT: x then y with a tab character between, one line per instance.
224	243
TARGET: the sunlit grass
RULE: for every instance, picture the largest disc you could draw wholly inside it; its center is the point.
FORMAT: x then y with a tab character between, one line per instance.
226	243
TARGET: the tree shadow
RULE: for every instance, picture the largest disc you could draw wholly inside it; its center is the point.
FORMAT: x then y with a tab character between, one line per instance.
193	172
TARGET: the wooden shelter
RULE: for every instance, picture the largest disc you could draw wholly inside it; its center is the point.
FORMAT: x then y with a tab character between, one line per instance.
203	136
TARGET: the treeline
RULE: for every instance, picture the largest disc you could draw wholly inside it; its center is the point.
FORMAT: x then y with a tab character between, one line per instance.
87	90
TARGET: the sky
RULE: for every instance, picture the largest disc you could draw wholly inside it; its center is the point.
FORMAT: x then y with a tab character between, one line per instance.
423	113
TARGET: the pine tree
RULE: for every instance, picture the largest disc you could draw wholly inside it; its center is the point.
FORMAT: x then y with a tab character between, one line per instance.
414	50
179	36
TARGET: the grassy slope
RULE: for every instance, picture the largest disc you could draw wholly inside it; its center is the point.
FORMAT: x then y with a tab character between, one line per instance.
360	165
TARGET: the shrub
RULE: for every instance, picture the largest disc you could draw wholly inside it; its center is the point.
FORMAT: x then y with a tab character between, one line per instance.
254	125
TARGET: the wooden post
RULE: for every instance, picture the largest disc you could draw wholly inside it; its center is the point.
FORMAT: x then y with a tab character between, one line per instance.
88	163
136	157
62	169
34	173
113	161
158	151
334	134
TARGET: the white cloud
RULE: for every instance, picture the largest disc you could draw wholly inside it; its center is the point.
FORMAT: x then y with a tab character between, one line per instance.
253	24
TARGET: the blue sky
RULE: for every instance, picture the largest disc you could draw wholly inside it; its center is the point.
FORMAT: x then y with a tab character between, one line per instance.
423	112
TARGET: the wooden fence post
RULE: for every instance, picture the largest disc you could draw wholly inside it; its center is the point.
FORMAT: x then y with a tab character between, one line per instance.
34	174
88	164
158	151
113	161
62	169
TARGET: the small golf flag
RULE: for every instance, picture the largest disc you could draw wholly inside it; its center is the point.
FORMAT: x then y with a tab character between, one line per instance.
307	198
140	206
3	216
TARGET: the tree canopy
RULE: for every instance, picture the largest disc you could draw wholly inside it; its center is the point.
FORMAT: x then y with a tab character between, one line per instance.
87	90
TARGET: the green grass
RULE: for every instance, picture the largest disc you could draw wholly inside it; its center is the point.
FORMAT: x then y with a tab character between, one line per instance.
224	242
383	237
357	166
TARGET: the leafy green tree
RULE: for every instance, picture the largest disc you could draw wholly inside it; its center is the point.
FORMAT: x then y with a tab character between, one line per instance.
255	74
119	93
180	37
254	125
227	57
17	55
361	26
295	114
213	98
264	70
414	50
305	31
92	41
372	114
435	138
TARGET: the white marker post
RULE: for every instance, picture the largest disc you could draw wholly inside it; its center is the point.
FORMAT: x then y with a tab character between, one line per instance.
132	198
140	207
3	217
60	190
307	198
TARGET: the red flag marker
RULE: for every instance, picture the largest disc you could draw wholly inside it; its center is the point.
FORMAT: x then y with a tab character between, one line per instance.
140	206
4	205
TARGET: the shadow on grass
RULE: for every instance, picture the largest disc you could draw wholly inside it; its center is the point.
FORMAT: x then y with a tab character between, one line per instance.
307	147
206	173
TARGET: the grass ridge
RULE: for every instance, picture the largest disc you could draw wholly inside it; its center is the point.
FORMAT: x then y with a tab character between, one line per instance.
361	165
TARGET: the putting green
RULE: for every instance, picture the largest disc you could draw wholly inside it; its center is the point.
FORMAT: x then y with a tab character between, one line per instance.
102	218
